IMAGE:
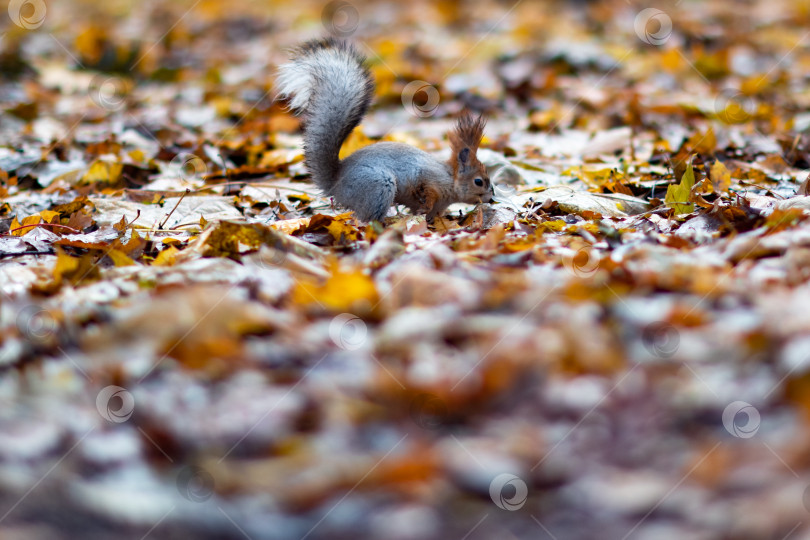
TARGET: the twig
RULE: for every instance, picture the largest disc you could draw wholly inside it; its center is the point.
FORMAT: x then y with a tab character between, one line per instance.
4	255
179	226
139	215
746	183
249	184
71	229
173	209
260	184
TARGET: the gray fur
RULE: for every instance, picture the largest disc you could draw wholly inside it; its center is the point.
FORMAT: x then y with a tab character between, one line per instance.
375	177
328	83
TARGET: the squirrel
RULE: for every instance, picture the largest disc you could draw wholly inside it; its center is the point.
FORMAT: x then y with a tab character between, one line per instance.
328	83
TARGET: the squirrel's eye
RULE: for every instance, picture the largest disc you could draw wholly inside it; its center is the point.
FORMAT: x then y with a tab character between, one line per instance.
479	182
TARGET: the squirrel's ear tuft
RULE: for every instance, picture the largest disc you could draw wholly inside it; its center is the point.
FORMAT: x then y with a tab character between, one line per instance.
468	132
465	138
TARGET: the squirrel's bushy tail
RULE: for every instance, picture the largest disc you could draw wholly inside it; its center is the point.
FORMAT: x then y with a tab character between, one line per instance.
327	81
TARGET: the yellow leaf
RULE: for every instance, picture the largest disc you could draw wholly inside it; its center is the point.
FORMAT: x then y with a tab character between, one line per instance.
138	156
273	159
591	227
595	178
671	60
734	113
134	246
30	220
714	64
705	143
678	196
103	171
119	258
556	225
303	197
166	257
222	105
720	176
343	291
75	270
354	142
754	85
547	119
88	43
288	226
340	230
229	239
338	227
15	225
385	80
531	167
49	216
780	220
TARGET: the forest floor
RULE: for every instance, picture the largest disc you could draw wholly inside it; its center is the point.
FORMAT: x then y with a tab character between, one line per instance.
194	343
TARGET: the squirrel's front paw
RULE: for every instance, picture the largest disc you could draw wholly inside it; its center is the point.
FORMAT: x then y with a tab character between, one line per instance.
422	209
427	197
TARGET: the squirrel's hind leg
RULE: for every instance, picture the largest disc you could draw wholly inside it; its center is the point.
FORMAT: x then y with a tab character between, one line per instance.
369	191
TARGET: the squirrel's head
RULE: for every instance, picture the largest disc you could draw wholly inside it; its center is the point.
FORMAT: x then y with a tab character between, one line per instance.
472	183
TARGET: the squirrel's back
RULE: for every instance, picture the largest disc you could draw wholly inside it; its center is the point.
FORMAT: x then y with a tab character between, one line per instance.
327	82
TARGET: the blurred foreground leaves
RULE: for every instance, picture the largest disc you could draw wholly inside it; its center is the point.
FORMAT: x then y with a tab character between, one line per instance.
188	326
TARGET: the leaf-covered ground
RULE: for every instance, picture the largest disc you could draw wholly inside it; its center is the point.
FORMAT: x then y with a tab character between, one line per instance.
195	344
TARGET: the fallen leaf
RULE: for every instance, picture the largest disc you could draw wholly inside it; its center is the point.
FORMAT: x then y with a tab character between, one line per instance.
679	195
720	177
